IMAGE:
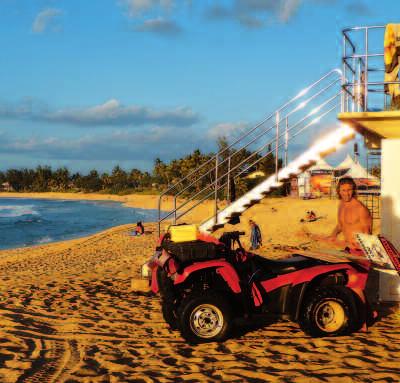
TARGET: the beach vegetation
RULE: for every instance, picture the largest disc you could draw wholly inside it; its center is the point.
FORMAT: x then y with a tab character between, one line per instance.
163	176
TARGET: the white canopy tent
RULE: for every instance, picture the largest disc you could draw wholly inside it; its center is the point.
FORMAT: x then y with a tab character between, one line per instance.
356	170
363	179
320	165
345	164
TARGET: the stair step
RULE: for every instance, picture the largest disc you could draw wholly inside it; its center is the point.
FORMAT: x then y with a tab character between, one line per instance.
274	187
234	220
251	203
234	214
218	226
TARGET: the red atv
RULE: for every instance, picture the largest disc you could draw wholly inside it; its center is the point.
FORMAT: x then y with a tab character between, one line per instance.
208	283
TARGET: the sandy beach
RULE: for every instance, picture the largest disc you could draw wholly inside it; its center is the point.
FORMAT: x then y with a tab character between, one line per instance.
67	314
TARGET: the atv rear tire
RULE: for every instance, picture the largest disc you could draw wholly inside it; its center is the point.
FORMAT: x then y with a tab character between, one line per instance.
329	312
204	318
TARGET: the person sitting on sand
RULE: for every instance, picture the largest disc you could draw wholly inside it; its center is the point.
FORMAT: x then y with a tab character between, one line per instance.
139	229
255	235
353	216
310	217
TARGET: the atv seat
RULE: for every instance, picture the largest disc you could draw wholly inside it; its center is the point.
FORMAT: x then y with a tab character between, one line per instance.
271	268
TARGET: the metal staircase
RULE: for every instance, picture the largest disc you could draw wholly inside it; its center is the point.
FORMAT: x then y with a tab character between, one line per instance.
269	143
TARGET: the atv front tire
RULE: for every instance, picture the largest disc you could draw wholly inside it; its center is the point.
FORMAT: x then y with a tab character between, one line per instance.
205	318
168	311
329	312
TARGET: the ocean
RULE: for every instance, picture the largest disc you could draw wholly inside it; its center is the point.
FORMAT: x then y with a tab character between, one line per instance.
27	222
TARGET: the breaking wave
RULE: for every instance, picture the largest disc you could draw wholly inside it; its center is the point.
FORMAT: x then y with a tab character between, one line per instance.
13	211
28	222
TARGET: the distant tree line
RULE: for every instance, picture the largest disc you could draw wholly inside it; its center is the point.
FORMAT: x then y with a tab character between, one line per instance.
162	176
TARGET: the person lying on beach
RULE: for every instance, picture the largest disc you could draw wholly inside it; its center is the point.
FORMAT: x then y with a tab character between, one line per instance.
310	217
353	216
139	229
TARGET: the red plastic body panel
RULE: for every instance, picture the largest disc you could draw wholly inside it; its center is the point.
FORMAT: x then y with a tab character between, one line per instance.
356	282
154	282
256	295
201	236
225	269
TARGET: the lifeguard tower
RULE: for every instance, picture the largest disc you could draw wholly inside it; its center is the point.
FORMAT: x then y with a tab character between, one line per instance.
371	105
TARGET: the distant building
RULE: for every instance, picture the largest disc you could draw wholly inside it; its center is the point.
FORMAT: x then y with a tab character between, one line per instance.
6	187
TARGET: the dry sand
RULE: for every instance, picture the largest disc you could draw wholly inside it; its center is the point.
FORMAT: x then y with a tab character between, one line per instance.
67	315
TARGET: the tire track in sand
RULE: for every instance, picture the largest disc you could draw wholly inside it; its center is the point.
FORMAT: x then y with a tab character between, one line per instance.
55	361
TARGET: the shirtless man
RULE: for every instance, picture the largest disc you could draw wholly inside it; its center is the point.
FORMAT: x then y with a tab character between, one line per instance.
353	216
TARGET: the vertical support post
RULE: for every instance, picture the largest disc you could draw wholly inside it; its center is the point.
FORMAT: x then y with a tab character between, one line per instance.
366	72
175	210
228	194
343	98
371	197
359	102
159	216
277	117
216	189
286	140
353	89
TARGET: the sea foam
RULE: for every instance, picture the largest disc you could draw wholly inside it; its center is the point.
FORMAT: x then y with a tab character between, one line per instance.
11	211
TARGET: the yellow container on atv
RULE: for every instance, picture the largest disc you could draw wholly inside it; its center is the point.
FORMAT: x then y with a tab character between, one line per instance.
183	233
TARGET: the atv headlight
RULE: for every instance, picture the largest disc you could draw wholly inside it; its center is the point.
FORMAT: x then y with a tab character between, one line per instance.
145	271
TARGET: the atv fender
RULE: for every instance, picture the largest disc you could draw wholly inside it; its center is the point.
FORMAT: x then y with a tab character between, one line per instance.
356	282
154	283
223	268
302	276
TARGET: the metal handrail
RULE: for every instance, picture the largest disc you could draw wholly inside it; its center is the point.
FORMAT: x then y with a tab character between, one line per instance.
356	56
300	94
281	135
220	180
358	63
251	142
294	135
362	27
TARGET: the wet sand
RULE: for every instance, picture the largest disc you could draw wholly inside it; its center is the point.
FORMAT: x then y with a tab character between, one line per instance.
67	314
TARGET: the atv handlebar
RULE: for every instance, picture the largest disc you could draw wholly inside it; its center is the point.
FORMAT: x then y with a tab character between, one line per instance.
230	237
234	233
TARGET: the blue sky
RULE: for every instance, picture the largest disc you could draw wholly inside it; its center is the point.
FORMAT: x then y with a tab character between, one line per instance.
92	84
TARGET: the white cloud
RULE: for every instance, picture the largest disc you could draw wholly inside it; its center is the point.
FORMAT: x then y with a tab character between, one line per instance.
227	129
137	7
110	113
159	25
44	19
146	144
288	9
258	13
